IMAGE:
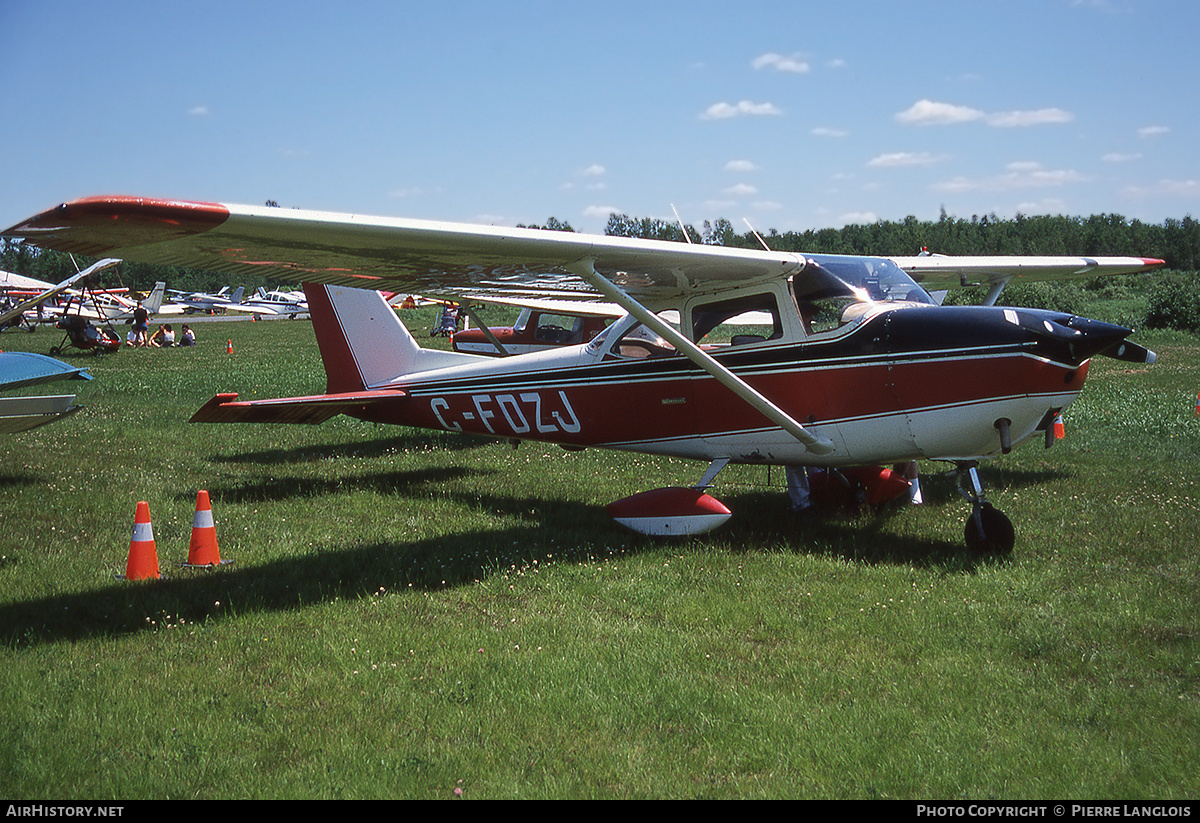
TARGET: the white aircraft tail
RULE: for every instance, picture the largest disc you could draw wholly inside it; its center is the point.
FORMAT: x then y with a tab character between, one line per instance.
153	302
363	343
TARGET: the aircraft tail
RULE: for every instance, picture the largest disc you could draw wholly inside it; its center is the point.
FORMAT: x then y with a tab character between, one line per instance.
153	302
236	297
363	343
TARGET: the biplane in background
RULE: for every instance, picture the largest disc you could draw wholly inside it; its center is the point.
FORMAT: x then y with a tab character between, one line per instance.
857	367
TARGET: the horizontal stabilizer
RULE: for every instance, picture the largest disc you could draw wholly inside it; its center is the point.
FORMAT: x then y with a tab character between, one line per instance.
225	408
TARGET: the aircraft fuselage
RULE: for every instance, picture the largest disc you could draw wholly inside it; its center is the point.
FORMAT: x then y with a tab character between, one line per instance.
905	383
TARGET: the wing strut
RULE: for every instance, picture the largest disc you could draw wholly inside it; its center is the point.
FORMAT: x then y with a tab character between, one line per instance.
816	445
482	326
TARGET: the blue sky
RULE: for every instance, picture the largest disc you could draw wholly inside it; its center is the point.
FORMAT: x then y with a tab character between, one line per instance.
791	115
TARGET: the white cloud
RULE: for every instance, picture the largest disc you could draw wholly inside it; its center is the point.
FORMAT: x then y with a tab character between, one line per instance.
1169	188
600	211
904	158
1152	131
724	111
594	170
793	64
825	131
931	113
1024	175
409	191
740	190
1035	117
740	166
1050	205
927	112
198	111
859	218
1117	157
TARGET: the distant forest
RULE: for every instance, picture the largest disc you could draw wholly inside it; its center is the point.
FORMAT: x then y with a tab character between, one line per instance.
1175	241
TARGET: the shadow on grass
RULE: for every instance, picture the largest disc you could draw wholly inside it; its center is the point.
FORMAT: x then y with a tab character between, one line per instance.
551	530
288	488
26	478
355	449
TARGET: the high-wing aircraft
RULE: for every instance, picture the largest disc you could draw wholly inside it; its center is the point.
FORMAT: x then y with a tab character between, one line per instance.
203	302
541	325
20	369
109	307
15	313
859	367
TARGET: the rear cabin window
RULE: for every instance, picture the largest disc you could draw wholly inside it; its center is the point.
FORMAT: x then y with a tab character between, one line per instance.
739	321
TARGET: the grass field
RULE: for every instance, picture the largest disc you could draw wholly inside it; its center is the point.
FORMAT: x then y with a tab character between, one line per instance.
408	614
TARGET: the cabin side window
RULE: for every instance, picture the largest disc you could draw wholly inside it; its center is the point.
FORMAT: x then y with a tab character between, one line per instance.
738	321
628	339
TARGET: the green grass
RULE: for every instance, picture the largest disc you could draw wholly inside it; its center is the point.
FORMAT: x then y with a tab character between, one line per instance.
408	612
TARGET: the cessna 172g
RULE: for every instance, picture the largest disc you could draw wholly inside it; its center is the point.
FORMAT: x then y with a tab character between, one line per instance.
859	367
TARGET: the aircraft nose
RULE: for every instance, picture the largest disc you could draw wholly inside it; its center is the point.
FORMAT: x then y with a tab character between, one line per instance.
1081	338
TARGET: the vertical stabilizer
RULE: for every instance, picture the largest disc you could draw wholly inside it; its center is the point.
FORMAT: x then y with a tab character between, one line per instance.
363	343
153	303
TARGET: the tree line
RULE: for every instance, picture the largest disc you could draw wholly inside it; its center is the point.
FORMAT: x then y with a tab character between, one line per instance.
1175	241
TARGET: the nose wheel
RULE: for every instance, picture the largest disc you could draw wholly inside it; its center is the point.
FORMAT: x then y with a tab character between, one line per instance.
988	531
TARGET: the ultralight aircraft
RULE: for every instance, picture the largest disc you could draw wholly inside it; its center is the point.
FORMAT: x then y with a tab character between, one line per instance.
857	367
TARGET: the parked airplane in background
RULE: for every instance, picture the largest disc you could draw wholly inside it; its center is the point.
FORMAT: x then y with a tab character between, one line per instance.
541	325
108	307
859	366
203	302
15	314
276	302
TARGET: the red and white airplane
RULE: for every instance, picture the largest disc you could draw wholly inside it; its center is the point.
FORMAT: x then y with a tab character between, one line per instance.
858	367
541	325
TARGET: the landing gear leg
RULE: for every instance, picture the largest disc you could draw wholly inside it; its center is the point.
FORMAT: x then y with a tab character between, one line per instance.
988	531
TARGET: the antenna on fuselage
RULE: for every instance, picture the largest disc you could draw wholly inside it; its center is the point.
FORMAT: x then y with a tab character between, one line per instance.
756	234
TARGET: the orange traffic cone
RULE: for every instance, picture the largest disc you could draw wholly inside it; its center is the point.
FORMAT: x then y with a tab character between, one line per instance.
143	556
202	551
229	347
1060	430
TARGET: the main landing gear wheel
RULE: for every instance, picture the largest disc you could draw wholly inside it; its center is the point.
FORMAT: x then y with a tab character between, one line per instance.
988	530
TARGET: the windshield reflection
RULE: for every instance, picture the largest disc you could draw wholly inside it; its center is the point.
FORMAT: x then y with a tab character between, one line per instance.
832	291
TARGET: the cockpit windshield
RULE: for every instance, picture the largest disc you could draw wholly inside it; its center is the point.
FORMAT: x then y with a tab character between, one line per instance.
831	291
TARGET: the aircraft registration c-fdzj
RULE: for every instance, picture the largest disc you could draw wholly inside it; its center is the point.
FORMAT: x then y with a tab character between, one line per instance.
858	365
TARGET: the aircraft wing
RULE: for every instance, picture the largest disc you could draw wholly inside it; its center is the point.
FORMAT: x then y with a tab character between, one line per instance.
18	414
389	254
19	369
937	272
457	260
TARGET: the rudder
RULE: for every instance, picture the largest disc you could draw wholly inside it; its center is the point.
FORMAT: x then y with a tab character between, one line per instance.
362	341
